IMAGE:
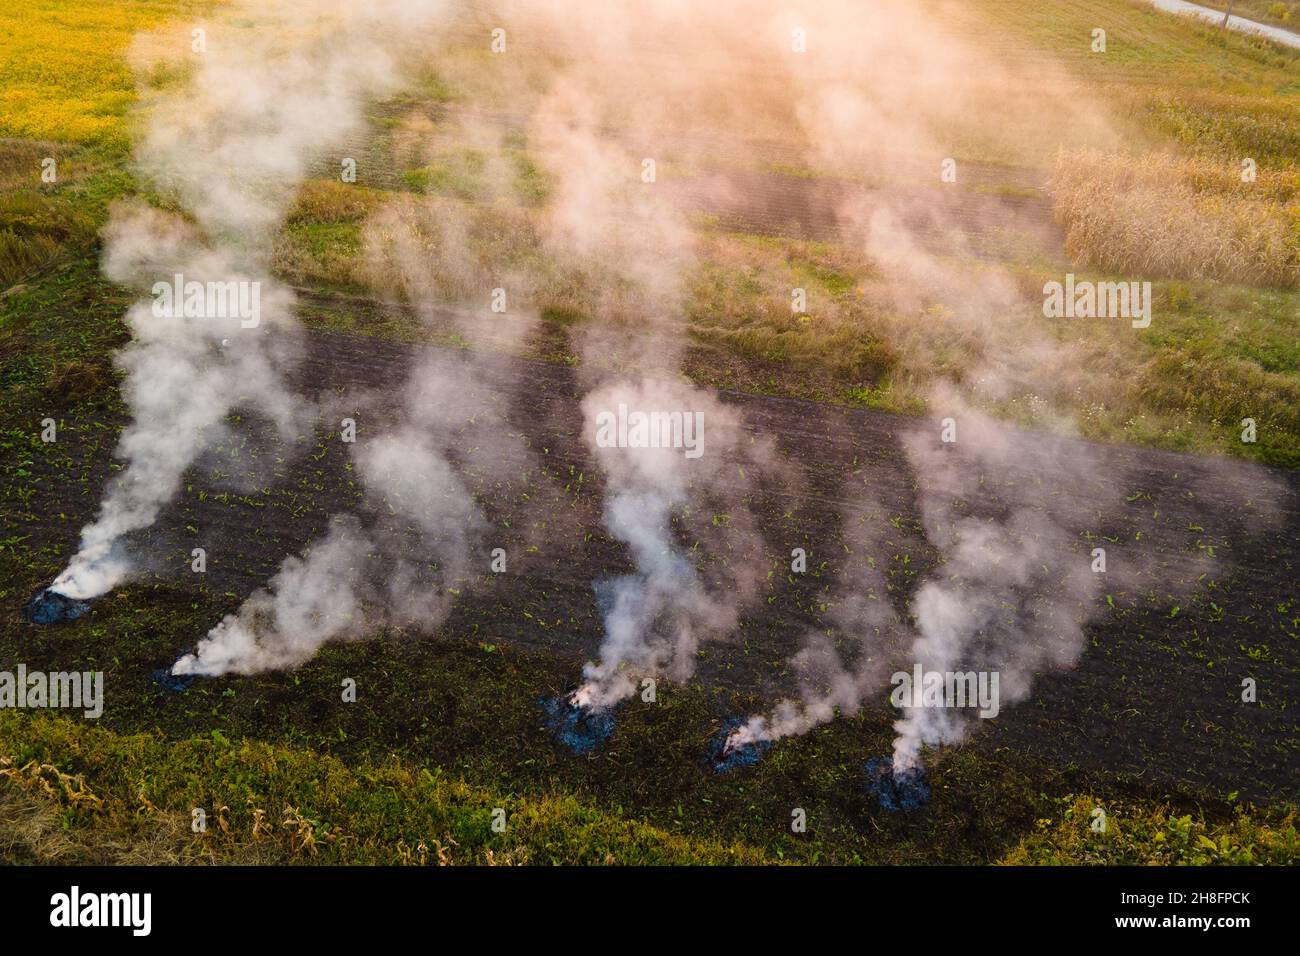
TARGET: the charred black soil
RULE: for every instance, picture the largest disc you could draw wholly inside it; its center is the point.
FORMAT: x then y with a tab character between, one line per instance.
1208	548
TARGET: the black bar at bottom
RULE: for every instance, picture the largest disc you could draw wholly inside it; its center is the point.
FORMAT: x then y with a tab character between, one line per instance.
301	904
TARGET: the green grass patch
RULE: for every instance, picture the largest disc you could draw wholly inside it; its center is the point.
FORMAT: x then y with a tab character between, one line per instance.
71	793
1087	830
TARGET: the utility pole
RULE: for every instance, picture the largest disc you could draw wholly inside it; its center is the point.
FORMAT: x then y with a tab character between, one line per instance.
1226	16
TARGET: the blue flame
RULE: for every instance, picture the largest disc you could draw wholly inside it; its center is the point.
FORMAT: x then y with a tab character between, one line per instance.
746	755
50	607
580	729
902	790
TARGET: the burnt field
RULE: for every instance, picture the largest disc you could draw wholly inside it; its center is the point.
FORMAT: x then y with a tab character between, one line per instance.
1199	593
1203	553
320	327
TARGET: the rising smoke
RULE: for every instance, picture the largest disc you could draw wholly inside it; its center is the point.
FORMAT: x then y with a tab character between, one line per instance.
276	84
401	561
1012	591
665	82
692	576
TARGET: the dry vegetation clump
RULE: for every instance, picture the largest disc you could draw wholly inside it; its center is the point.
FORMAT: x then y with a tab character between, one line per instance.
1192	218
1156	835
1223	388
35	224
75	794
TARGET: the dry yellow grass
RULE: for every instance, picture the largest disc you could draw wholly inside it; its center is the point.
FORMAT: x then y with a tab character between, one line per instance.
71	793
65	65
1191	218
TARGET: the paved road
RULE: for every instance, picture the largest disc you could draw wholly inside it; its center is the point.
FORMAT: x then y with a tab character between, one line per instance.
1240	24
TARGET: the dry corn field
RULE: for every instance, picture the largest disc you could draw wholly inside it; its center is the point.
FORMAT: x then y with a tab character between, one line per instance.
1181	217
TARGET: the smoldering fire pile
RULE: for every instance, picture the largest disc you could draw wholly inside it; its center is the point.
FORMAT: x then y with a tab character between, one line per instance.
573	719
728	751
897	788
169	680
48	606
581	729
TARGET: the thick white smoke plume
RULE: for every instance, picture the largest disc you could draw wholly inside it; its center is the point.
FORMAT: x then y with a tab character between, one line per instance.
182	376
1012	591
276	83
656	498
691	578
860	610
404	559
1011	594
401	561
1016	585
312	599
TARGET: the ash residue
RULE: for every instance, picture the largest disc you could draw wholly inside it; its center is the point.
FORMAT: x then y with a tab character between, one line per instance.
48	606
896	790
581	729
724	759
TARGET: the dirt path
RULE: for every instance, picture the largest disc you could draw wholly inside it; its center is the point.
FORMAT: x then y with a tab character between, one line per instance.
1240	24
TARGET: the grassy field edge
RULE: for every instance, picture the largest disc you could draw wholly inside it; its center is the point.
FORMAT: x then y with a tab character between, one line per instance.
73	793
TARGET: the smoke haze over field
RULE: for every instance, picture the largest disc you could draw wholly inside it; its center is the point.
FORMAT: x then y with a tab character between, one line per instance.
398	562
230	146
618	100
